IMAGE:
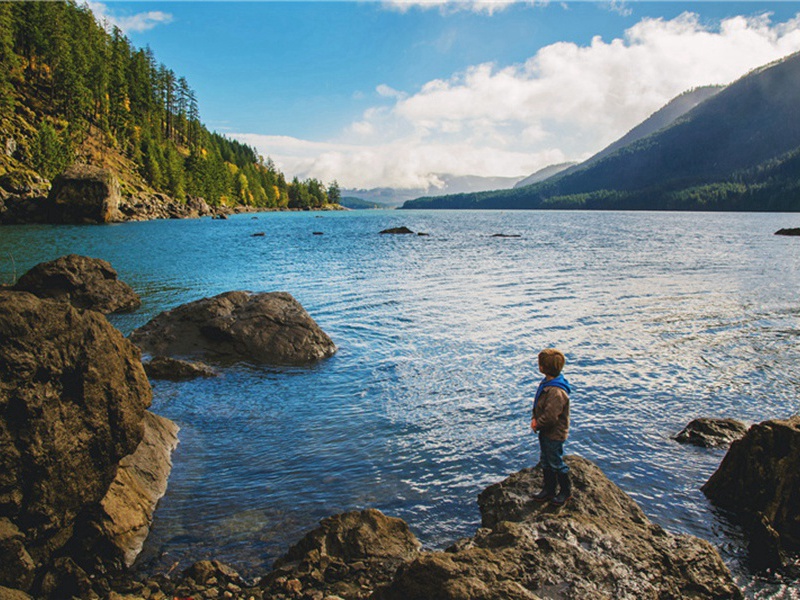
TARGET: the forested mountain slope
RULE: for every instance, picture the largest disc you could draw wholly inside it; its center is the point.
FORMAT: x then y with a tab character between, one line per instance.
72	91
737	150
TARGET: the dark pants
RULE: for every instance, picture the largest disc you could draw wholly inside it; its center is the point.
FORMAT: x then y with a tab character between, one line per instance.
552	455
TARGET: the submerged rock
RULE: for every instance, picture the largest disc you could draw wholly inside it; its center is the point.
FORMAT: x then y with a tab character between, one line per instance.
707	432
84	194
164	367
271	328
599	545
81	281
73	395
759	480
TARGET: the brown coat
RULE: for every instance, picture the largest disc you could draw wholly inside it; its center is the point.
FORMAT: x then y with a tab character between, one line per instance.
552	414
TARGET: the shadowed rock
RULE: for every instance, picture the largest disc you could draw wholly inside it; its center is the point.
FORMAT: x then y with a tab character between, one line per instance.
84	194
759	480
348	554
789	231
600	545
82	281
397	230
269	328
73	395
707	432
164	367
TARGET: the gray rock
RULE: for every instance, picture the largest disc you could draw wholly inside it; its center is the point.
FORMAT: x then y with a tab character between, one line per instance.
707	432
269	328
599	545
164	367
81	281
84	194
73	395
759	480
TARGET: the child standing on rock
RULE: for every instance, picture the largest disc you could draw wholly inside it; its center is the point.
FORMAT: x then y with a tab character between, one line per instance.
551	421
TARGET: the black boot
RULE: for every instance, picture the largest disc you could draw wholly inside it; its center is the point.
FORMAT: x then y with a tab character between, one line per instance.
549	489
565	491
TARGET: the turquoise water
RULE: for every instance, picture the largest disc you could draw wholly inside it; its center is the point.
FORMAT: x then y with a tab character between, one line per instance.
663	316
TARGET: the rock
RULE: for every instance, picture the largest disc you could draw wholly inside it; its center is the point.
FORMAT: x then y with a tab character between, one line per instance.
141	481
145	207
707	432
23	184
73	395
83	282
12	594
84	194
349	554
506	235
164	367
397	230
790	231
764	546
599	545
269	328
760	477
258	234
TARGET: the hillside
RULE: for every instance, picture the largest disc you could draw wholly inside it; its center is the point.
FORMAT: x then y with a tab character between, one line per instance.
71	91
545	173
736	150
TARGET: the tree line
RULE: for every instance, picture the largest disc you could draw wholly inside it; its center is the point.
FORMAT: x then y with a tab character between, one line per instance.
71	77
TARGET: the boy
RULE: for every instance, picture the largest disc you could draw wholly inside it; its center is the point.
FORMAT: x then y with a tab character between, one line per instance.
551	421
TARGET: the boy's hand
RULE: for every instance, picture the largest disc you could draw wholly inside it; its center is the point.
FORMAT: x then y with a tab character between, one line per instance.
533	424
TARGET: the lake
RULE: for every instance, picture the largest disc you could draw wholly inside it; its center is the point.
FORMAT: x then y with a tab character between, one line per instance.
663	317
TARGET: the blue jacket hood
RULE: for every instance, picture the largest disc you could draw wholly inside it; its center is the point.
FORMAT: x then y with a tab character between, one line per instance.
558	382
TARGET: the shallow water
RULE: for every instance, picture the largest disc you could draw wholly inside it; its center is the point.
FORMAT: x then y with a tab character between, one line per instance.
663	316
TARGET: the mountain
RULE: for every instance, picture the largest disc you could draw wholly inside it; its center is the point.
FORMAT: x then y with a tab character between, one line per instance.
739	149
543	174
359	204
450	184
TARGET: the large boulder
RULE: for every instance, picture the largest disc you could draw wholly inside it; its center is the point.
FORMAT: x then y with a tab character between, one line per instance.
73	395
349	555
82	281
84	194
270	328
759	480
599	545
707	433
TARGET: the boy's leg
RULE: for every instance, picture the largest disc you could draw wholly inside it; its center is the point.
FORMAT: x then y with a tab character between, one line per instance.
562	473
548	460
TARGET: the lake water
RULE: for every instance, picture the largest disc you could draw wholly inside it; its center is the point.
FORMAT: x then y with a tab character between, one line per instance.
663	317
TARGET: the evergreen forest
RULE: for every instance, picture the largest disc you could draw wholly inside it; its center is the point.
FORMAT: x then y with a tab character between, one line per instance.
68	82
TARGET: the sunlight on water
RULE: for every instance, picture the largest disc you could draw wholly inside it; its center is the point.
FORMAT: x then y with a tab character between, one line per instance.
663	317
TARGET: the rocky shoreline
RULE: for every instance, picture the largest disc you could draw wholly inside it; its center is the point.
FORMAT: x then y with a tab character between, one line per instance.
88	194
84	463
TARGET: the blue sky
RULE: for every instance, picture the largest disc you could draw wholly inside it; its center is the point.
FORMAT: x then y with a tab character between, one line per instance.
393	93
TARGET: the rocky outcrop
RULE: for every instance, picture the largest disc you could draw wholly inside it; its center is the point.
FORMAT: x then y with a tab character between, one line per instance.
271	328
84	194
759	480
81	281
600	545
73	395
708	433
23	198
146	207
164	367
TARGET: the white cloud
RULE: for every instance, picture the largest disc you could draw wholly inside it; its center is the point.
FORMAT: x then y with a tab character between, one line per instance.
564	103
480	6
129	23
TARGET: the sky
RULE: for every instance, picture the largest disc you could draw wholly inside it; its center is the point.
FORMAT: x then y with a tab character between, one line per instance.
396	93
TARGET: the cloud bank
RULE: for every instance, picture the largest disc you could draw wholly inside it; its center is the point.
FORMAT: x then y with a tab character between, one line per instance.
564	103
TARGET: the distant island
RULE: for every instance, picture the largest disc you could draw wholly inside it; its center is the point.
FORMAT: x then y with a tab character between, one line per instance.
735	149
74	92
